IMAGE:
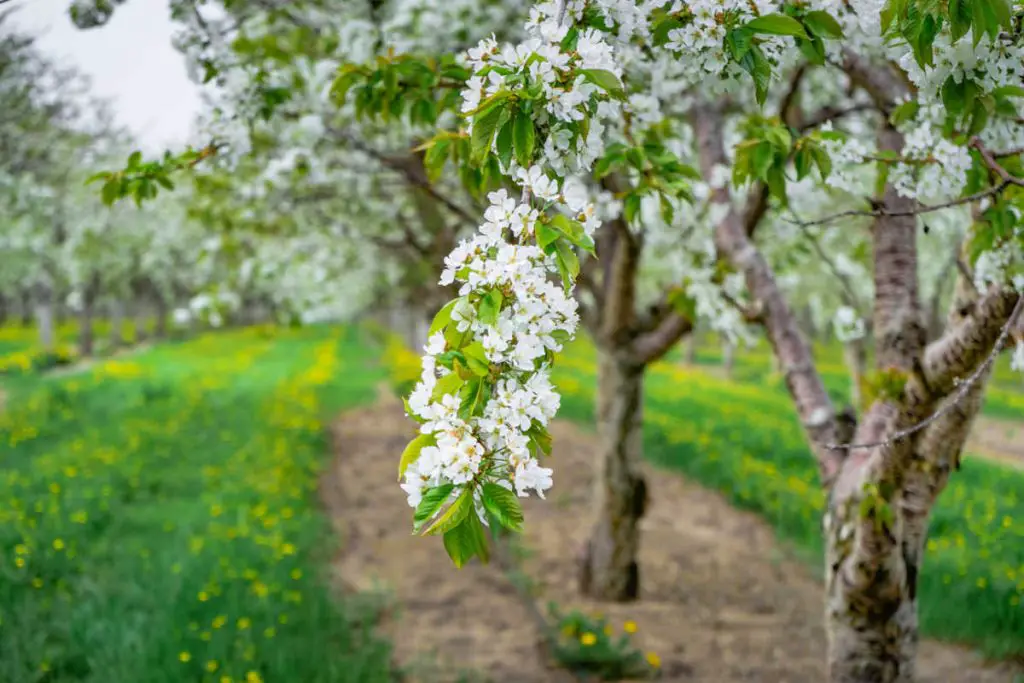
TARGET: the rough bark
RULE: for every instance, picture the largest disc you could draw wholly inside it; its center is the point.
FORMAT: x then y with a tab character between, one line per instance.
610	570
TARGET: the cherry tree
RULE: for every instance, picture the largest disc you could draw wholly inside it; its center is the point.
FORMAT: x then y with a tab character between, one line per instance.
710	130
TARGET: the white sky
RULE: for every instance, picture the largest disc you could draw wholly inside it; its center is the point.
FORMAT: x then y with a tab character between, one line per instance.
131	62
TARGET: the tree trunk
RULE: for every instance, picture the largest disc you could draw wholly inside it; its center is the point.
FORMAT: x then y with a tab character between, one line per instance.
85	331
871	611
610	570
691	348
139	321
160	327
44	318
855	355
728	358
26	308
116	318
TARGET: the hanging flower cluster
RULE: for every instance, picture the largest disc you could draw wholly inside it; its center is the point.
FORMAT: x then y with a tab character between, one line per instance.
485	398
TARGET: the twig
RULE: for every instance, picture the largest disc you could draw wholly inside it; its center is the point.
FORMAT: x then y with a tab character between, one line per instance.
994	165
411	178
924	208
959	396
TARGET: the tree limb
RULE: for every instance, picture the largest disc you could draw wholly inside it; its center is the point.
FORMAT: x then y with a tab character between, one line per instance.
651	346
943	353
813	404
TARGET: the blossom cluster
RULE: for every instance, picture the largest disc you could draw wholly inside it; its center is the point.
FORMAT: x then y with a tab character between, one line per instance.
565	92
536	316
512	315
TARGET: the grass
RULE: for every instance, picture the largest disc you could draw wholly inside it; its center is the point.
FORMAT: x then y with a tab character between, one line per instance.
159	522
742	438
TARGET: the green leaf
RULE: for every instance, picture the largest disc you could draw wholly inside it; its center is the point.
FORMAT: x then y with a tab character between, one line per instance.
453	516
739	41
823	24
763	159
823	161
540	438
567	262
476	358
905	112
605	80
504	505
546	235
412	451
465	541
959	18
490	306
134	159
449	384
525	137
430	503
778	25
484	128
1008	91
111	192
504	144
631	206
442	318
436	157
573	231
802	161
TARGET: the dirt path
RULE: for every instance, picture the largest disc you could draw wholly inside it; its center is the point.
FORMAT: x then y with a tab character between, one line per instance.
1000	440
721	602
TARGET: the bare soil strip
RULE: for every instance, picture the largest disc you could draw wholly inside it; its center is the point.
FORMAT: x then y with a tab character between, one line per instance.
721	601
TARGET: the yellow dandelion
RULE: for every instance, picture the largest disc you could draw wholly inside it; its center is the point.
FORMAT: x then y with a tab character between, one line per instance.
203	596
253	677
269	632
296	574
653	659
629	626
588	639
244	623
212	665
184	657
225	679
219	621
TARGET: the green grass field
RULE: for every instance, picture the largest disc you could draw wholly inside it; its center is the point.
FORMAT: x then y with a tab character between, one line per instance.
159	521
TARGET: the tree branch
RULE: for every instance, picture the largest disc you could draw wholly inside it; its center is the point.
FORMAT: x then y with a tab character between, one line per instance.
946	349
830	114
813	404
921	208
411	177
651	346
